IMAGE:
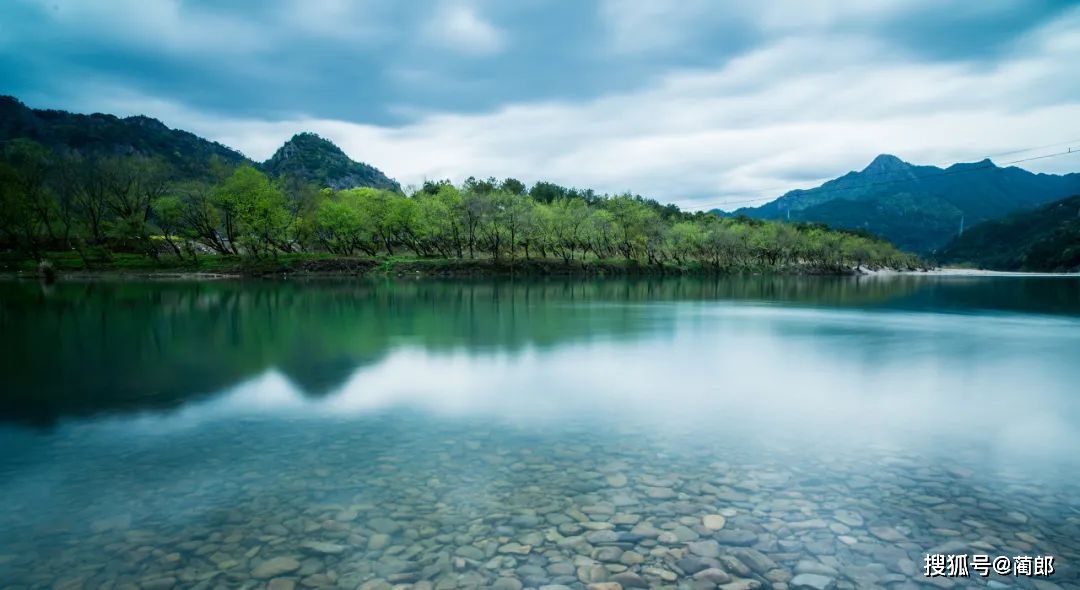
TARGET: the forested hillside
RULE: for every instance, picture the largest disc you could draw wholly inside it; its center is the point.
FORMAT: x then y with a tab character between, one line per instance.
1046	239
310	159
919	208
86	139
102	206
99	136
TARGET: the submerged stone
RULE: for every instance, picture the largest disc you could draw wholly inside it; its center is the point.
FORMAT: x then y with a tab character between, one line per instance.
812	582
275	567
713	522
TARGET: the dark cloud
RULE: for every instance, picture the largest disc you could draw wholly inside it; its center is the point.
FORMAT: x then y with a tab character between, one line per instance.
697	102
377	61
970	31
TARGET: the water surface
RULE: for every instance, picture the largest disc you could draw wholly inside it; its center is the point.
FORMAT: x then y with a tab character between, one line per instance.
674	433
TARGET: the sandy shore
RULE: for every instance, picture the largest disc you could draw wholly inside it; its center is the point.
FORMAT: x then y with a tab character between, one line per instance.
966	272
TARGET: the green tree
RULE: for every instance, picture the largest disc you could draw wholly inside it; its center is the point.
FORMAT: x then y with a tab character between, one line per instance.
169	218
255	212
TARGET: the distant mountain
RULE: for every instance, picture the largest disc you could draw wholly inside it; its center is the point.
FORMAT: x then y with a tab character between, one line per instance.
919	208
318	161
100	134
1044	239
306	156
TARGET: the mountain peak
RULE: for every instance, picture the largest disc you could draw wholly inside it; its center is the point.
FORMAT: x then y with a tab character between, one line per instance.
310	140
315	159
148	122
984	163
7	100
887	163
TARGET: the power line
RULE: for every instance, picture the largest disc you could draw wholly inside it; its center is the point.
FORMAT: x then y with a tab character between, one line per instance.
820	190
1041	147
786	188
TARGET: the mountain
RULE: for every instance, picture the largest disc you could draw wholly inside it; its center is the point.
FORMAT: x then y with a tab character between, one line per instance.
318	161
1044	239
101	134
306	155
919	208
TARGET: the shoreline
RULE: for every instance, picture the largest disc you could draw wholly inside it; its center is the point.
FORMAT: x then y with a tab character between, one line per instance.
966	272
174	275
303	267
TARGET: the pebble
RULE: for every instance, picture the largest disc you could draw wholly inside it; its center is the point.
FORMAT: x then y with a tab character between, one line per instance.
515	548
608	554
812	582
741	585
713	575
514	517
507	584
659	493
886	533
735	537
713	522
163	583
275	567
616	480
378	542
384	525
629	580
602	536
848	517
322	548
709	548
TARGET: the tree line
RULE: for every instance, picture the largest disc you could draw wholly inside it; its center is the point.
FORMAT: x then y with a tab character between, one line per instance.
102	204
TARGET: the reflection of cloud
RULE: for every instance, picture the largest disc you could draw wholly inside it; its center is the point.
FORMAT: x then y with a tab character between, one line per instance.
829	377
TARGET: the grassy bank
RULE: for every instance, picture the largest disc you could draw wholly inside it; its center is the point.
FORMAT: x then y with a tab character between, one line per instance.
135	265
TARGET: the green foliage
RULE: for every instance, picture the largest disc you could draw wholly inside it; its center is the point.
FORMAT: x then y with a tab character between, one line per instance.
256	214
316	161
101	205
1046	239
105	135
919	208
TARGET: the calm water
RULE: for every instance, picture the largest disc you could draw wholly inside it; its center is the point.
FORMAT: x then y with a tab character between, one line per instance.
742	433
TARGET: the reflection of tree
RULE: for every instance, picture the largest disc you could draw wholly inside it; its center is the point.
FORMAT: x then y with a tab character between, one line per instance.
91	347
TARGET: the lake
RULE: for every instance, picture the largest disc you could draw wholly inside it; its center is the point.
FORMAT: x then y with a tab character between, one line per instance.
740	433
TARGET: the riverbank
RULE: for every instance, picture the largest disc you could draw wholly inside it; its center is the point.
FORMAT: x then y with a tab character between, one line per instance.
963	272
69	265
134	266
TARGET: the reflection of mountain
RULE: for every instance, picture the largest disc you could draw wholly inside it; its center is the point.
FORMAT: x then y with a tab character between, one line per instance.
85	348
318	377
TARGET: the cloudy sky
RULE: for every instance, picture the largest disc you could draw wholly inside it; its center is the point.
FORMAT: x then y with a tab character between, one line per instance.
700	102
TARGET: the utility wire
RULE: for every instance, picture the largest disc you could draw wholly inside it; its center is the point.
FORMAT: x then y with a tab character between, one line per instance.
1041	147
820	190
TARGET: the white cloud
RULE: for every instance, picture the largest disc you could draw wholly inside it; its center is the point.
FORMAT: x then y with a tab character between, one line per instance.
162	25
345	20
642	26
458	27
646	26
753	129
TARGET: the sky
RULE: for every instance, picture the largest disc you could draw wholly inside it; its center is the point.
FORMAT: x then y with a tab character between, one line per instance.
701	103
